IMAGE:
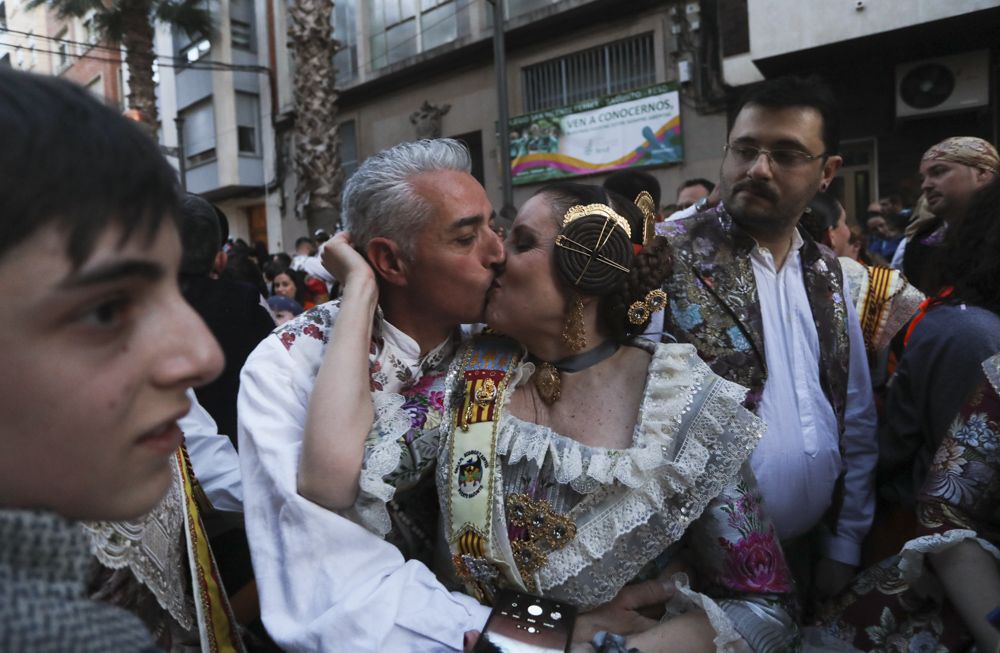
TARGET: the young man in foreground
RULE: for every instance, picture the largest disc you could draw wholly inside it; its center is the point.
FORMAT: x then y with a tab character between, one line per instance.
99	348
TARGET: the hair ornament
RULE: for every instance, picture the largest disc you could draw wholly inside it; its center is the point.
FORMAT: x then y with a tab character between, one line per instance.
648	207
641	310
609	214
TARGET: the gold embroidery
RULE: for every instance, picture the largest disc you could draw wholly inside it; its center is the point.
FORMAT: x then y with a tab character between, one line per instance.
542	524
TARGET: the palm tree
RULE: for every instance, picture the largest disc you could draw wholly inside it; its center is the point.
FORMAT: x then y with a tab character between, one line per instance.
317	159
130	23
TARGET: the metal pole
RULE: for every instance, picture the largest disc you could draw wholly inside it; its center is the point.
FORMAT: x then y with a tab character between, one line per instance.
500	65
181	167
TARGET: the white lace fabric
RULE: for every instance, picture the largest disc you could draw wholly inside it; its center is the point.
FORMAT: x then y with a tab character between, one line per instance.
913	557
727	638
629	505
154	549
382	456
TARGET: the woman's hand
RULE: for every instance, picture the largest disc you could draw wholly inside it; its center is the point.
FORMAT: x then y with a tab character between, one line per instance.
624	613
344	262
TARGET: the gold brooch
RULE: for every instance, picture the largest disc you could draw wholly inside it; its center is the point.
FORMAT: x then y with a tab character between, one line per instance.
541	524
486	393
642	309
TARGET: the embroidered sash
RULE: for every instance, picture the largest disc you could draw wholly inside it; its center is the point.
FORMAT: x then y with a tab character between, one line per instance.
216	623
485	369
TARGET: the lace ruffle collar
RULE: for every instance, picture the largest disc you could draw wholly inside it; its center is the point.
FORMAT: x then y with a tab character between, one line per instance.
675	375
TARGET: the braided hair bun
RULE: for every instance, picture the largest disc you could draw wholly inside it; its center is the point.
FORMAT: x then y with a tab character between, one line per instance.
625	270
593	254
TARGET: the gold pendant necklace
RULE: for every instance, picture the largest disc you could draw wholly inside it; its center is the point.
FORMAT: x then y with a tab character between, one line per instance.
548	376
548	383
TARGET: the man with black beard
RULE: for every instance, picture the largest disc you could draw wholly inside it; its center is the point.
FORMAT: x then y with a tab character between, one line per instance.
765	305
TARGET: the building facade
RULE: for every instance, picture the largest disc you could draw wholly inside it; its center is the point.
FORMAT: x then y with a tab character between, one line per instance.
215	107
906	73
398	55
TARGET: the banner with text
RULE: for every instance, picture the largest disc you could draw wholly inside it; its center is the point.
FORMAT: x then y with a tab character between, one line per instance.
629	130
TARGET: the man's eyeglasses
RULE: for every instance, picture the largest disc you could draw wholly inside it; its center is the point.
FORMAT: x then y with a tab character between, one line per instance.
786	159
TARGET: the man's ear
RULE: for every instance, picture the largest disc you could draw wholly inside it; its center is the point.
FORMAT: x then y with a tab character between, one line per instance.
221	258
830	169
982	177
387	259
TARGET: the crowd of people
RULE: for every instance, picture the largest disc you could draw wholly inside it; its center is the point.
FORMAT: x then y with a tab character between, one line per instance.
745	426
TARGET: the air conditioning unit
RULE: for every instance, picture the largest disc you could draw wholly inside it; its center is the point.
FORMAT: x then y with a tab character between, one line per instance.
943	84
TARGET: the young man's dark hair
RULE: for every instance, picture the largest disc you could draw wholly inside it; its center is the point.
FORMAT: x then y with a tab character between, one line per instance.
48	131
790	91
629	183
697	181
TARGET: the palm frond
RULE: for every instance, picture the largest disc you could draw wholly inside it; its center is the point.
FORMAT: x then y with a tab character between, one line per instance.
192	16
67	8
110	25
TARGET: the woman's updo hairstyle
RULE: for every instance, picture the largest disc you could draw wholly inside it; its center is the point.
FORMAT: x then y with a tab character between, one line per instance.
593	248
594	254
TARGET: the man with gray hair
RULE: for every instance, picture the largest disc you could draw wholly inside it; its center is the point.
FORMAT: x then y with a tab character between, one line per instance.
325	582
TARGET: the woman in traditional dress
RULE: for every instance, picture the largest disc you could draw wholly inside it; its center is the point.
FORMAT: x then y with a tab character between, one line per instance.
571	458
939	592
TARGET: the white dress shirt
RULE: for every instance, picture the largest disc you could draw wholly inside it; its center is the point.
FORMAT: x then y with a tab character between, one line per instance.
213	458
798	460
897	257
326	583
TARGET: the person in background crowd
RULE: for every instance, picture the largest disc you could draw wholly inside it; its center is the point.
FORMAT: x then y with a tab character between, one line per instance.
283	308
766	307
232	310
893	204
952	171
826	221
941	591
320	236
693	190
104	346
280	259
234	314
292	284
241	267
305	247
955	331
882	239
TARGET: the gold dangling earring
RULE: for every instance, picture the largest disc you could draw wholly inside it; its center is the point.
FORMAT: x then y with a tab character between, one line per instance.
573	333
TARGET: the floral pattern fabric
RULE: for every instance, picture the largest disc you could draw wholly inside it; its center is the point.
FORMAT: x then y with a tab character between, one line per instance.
960	499
714	303
401	447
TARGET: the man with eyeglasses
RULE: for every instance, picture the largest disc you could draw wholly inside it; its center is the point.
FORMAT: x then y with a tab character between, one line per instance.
765	306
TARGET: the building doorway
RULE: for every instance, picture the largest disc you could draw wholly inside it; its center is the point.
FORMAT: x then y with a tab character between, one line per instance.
856	183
